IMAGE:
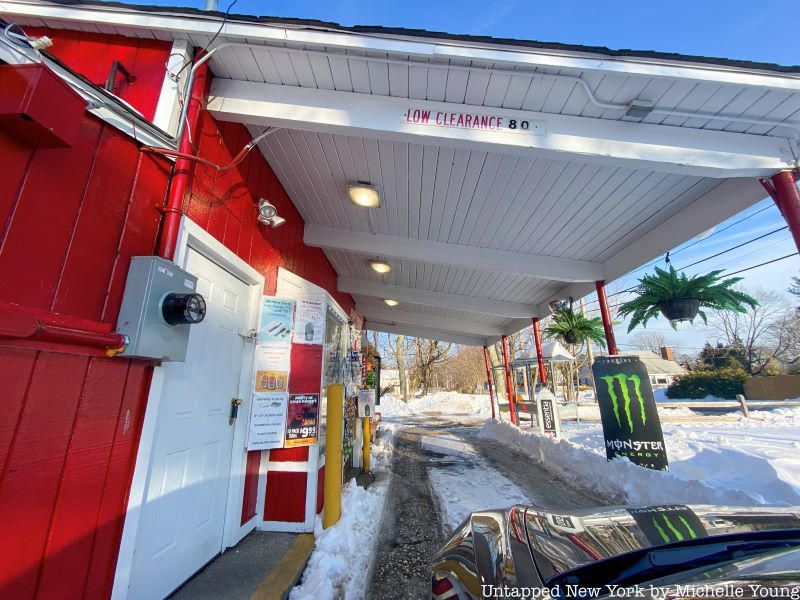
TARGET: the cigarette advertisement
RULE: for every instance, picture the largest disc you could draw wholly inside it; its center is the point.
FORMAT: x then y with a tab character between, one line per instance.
302	420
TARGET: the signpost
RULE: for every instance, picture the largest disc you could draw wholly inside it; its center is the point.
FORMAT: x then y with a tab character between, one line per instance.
631	426
547	413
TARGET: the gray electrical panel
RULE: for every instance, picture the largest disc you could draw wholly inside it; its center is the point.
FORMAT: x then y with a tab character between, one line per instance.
154	283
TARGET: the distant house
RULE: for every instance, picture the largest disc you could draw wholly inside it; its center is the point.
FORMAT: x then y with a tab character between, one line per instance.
661	369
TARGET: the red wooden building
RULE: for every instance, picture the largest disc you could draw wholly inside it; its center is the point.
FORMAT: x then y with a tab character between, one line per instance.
511	174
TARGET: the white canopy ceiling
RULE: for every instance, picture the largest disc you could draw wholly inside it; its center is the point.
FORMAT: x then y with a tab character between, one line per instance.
483	227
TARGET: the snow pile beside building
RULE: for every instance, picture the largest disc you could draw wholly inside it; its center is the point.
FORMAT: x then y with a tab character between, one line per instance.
446	403
739	463
331	572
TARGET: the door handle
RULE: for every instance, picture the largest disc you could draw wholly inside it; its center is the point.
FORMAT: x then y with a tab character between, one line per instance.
235	404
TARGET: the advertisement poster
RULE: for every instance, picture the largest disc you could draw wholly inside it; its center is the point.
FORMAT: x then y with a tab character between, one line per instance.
366	403
276	321
309	322
272	368
267	421
547	413
631	426
302	420
669	523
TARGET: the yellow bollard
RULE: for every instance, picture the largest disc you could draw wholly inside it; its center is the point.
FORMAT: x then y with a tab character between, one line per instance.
365	445
332	509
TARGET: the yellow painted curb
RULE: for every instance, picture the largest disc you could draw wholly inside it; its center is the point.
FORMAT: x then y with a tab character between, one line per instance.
285	574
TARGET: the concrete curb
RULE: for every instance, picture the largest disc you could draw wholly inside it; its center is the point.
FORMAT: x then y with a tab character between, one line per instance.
287	571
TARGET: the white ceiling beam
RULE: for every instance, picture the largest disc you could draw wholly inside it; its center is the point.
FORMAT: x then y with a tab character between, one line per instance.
686	151
409	295
471	257
394	315
424	332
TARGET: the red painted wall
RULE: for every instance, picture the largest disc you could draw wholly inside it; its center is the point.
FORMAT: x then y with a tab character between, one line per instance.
92	54
70	219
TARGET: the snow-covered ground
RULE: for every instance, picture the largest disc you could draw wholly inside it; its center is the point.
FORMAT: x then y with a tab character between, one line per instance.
330	572
749	461
450	403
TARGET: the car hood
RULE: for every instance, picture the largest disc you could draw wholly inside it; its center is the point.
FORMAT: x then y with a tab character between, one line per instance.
562	541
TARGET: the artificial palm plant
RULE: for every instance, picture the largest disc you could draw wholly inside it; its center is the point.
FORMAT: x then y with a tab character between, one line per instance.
682	298
574	328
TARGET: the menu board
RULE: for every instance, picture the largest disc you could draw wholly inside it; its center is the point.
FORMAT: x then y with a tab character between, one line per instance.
302	418
267	421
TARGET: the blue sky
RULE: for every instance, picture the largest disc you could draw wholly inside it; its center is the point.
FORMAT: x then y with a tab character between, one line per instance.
764	31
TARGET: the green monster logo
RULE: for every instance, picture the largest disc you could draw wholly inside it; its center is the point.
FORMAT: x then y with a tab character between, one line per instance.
671	532
626	396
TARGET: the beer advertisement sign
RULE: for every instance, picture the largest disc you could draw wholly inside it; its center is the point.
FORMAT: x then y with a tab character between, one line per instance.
631	426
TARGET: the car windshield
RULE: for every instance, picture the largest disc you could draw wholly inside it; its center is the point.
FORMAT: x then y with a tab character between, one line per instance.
652	563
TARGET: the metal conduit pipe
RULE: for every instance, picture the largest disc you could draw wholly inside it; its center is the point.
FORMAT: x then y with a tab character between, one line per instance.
416	63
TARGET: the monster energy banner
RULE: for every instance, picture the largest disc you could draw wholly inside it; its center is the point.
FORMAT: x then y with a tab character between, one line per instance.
628	410
668	524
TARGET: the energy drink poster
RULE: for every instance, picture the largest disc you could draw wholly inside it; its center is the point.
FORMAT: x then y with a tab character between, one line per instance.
309	322
267	421
276	321
272	368
631	426
547	413
302	420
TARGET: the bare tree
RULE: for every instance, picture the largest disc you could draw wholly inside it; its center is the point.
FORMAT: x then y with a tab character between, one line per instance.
764	336
466	369
427	354
649	340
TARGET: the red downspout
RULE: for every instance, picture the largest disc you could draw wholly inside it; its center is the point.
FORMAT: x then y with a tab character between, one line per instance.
537	340
606	316
183	168
489	378
787	197
512	410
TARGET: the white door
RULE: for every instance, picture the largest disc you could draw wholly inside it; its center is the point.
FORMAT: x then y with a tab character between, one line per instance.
183	515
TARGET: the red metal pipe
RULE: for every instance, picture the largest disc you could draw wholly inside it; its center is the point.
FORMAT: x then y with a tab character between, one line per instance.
183	167
787	197
537	340
489	378
606	316
512	409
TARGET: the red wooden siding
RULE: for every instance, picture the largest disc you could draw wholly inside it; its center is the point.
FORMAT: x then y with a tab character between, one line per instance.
70	219
91	55
283	490
320	488
250	495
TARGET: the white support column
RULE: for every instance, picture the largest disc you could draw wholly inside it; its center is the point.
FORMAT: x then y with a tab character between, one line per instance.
172	91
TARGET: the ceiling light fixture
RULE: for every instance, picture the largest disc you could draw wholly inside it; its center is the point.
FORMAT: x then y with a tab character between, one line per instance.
391	302
364	194
380	266
268	214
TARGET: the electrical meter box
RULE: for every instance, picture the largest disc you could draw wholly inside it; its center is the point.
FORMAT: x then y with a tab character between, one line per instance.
159	306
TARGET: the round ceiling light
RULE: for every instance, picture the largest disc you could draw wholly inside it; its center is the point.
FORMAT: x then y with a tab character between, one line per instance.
364	194
391	302
380	266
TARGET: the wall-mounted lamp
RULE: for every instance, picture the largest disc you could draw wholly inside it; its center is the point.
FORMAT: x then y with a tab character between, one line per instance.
268	214
364	194
380	266
391	302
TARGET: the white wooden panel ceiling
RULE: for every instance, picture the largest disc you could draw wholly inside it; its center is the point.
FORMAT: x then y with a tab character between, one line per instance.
533	205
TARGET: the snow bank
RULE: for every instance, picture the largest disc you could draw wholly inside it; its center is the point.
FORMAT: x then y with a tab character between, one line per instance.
446	403
330	573
698	474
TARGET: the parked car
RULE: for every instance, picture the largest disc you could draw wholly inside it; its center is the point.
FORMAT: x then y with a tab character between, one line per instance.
710	551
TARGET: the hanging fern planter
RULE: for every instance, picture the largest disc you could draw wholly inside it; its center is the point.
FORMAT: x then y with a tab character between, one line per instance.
571	337
682	298
680	309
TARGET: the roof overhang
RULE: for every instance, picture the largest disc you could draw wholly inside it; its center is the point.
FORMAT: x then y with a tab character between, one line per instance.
484	226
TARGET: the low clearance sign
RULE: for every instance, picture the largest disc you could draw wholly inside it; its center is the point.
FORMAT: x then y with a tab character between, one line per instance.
631	426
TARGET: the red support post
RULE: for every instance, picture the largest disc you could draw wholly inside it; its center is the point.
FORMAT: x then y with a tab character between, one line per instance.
537	340
787	197
512	410
489	378
183	168
606	316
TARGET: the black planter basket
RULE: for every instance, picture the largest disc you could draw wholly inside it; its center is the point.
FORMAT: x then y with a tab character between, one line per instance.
571	337
680	309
